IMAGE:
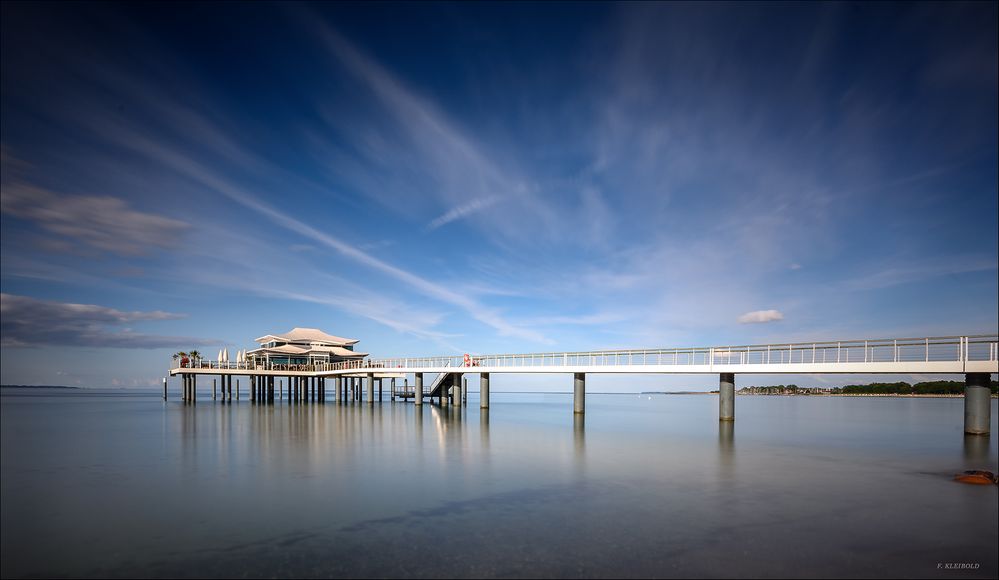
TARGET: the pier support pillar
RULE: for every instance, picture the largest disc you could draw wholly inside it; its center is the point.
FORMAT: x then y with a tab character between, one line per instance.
445	395
164	388
371	388
977	404
338	387
392	388
464	391
579	392
483	390
457	390
237	389
418	388
213	389
726	397
194	388
380	390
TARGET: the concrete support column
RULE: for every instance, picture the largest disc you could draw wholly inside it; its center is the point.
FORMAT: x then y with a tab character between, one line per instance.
418	388
380	390
371	388
579	392
726	397
392	388
977	405
213	388
194	388
464	391
456	391
445	396
483	390
338	387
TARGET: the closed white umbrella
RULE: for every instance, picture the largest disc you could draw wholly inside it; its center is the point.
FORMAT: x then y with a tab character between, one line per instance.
225	355
241	356
220	355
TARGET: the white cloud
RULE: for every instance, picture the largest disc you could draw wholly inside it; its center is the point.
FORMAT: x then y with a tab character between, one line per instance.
761	316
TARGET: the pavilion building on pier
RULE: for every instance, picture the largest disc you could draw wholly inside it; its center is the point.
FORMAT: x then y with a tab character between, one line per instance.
304	346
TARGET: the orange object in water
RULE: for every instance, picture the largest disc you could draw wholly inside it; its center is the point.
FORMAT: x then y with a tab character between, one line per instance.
977	477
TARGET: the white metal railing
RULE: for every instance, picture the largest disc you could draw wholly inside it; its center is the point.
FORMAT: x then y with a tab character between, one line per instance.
205	364
928	349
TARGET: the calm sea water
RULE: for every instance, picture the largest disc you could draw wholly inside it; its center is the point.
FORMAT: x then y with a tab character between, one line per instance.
121	484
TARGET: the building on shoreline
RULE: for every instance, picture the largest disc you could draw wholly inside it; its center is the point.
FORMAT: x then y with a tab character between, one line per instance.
304	346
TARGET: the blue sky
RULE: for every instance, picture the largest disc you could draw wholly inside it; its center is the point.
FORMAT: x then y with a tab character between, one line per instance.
450	178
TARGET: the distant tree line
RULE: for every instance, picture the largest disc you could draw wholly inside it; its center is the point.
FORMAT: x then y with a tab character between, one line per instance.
899	388
904	388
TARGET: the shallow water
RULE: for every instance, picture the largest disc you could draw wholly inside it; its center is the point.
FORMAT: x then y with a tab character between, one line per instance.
122	484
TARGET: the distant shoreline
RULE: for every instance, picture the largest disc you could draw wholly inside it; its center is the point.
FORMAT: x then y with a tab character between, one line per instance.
901	395
37	387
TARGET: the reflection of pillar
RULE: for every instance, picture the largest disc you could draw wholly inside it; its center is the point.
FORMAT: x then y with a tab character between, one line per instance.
726	436
579	434
484	427
726	397
726	448
977	406
976	450
418	388
579	392
484	390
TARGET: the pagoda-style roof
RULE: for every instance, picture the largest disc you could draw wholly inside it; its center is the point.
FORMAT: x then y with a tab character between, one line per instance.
292	349
307	335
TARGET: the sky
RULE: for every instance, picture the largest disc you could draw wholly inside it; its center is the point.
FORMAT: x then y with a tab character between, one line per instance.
491	177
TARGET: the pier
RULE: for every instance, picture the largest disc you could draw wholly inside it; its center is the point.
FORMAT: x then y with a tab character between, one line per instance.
974	356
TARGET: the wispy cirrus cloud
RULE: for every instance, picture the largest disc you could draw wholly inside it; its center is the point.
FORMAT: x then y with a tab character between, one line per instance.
924	269
429	147
30	322
463	210
103	222
185	165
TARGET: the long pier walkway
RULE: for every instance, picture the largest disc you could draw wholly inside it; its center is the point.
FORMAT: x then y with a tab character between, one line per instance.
975	356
